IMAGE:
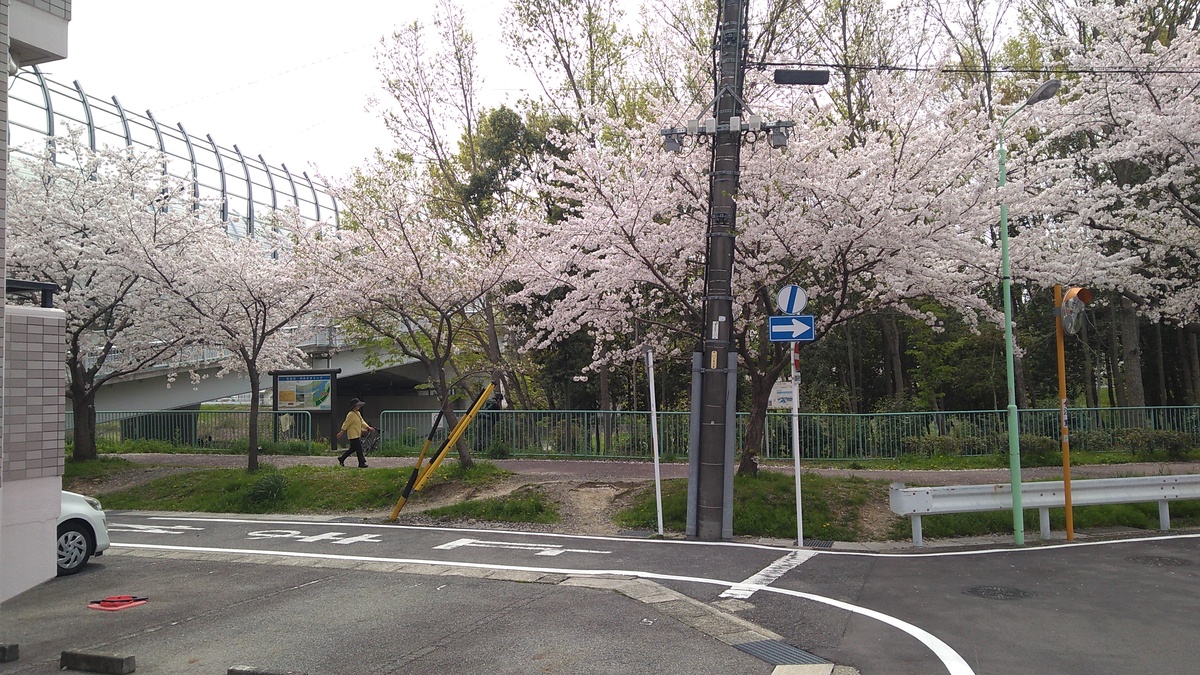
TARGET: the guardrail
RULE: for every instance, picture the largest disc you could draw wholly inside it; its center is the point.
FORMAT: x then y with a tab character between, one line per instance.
924	501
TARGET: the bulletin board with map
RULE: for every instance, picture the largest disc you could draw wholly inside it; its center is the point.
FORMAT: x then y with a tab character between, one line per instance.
305	392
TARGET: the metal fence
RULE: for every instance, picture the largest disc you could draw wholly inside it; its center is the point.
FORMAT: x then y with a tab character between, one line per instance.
626	435
219	429
590	434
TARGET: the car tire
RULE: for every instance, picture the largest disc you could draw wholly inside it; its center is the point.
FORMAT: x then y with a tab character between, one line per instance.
75	547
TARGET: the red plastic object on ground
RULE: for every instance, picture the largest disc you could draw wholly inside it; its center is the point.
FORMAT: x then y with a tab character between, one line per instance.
115	602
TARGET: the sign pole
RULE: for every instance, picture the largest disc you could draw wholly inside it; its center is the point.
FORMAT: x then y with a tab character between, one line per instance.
654	439
796	438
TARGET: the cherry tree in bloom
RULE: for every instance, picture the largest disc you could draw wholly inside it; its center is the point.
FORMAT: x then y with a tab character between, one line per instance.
1115	173
413	284
861	217
254	297
73	218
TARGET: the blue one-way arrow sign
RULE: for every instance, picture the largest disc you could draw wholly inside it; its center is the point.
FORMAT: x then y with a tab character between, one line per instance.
792	328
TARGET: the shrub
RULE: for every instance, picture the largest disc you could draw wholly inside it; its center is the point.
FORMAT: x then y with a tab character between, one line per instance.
267	490
931	445
1040	451
499	450
1091	441
1144	442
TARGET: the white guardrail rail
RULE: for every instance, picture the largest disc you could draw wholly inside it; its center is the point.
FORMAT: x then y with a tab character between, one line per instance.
923	501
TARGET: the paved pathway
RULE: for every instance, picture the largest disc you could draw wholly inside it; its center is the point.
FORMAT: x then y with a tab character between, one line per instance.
585	470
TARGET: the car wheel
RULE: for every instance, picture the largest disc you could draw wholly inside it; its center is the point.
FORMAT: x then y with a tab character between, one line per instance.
74	547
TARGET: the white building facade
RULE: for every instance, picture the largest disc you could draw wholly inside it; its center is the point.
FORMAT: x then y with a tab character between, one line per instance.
32	376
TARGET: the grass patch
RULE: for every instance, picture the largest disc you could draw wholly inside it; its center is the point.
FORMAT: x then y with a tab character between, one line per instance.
95	469
298	489
526	505
481	474
765	506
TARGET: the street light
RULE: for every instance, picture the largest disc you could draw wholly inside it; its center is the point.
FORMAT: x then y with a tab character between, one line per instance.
1043	92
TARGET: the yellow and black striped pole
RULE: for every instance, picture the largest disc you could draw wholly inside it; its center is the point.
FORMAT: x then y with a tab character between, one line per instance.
459	430
412	479
418	478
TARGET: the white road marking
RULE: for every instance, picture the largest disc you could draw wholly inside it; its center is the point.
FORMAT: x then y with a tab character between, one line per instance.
152	529
767	575
542	549
955	665
331	537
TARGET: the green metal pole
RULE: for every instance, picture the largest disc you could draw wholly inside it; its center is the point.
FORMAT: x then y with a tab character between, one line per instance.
1014	437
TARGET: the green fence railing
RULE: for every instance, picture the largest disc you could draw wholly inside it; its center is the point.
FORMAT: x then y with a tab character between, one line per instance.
221	429
589	434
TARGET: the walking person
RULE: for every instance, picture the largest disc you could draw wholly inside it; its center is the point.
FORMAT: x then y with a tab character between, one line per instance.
353	427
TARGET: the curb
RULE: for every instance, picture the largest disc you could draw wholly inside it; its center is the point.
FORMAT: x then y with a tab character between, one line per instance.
96	662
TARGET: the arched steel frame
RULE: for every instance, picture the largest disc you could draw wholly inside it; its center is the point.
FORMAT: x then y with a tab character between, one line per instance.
110	123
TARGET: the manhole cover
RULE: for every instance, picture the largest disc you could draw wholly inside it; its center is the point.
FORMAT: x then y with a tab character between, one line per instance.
997	593
1160	561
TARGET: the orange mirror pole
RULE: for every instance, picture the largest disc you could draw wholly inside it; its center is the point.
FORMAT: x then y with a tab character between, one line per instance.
1062	412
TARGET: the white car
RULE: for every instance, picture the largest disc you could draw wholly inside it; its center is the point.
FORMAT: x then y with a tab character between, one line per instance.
82	532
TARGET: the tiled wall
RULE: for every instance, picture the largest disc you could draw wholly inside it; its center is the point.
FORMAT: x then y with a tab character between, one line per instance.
3	210
34	405
60	8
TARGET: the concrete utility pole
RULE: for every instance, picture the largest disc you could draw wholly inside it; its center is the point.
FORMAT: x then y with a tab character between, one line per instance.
717	407
714	367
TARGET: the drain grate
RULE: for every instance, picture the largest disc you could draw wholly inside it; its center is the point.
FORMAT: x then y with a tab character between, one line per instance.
1160	561
818	543
997	593
779	653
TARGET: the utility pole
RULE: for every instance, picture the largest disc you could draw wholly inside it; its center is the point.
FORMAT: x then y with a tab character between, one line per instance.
718	384
714	367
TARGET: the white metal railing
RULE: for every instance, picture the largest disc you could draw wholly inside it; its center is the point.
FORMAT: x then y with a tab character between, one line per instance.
922	501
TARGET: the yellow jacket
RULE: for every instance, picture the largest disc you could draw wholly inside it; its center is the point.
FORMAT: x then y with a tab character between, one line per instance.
355	425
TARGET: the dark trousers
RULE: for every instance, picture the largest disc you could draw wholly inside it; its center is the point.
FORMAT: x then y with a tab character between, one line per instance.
356	449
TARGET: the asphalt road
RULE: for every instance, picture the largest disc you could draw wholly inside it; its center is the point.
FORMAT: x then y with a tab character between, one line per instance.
346	596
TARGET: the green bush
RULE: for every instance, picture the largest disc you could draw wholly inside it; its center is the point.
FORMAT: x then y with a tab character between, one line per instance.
1143	442
499	450
936	446
268	489
1091	441
1040	451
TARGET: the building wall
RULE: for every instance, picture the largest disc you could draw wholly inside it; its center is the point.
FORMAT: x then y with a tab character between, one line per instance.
3	255
32	354
33	438
59	8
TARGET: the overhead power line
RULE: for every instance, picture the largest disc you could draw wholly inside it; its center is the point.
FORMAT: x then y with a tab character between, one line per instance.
975	71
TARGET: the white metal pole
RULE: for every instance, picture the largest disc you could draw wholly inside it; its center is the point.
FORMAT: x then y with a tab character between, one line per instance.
654	439
796	439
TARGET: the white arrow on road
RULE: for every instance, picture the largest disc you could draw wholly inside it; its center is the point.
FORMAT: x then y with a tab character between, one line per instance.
151	529
542	549
796	328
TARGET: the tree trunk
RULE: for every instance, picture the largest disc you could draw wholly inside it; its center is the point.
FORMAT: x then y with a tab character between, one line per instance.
1019	377
893	365
1131	345
252	434
851	371
83	409
1161	371
1193	357
1089	373
1116	383
605	406
752	443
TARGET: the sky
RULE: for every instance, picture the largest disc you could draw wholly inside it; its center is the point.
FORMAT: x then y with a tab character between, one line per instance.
288	79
